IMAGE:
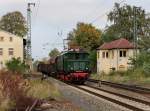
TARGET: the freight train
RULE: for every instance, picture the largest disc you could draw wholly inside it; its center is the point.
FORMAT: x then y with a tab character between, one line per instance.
70	66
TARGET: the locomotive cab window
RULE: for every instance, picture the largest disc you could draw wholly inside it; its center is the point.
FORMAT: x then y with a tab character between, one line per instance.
82	56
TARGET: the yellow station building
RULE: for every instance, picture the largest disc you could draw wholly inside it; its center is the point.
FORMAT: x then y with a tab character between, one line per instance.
10	46
115	56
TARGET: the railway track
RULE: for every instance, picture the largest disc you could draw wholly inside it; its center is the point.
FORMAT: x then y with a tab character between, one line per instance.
127	102
120	99
134	88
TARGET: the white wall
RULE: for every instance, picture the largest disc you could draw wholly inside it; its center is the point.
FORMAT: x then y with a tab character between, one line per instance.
114	60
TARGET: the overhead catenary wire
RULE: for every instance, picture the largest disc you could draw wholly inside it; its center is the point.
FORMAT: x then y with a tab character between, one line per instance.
104	14
95	9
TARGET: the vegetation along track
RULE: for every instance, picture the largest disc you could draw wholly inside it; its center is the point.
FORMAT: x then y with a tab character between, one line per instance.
130	103
134	88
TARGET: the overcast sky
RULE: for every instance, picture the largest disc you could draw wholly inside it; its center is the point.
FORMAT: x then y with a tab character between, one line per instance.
51	17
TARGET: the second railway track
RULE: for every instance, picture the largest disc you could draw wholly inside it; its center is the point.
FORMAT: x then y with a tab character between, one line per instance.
137	89
129	103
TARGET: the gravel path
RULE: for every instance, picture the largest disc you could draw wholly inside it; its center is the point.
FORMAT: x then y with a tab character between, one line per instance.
86	101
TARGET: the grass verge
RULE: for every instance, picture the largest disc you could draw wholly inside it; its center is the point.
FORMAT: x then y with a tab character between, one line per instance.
136	76
43	89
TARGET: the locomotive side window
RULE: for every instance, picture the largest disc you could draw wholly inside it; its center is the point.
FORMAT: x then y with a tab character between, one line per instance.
84	56
77	56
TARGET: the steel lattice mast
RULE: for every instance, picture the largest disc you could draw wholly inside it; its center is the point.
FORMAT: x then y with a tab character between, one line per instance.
28	50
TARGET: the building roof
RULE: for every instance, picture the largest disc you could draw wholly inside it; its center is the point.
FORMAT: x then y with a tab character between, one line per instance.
117	44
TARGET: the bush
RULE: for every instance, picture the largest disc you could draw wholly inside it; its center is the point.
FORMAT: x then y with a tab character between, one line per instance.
14	92
143	57
16	65
142	62
146	69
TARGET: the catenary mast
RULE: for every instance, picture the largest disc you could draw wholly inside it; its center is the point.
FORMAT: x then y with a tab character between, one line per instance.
28	50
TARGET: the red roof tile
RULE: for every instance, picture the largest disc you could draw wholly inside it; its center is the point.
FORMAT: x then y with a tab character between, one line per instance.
117	44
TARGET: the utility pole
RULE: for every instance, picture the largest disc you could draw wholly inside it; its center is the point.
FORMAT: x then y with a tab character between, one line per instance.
135	9
28	50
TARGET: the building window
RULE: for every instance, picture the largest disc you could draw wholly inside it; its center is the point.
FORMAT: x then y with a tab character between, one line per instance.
107	55
120	54
11	51
1	51
1	39
123	54
10	39
103	54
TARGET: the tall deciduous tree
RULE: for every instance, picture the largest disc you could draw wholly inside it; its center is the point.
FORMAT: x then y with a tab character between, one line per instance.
122	19
55	52
15	23
86	36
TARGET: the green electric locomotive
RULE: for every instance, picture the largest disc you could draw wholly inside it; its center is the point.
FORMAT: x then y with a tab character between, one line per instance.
73	66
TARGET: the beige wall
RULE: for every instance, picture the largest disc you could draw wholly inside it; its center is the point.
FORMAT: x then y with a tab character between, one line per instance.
114	60
16	44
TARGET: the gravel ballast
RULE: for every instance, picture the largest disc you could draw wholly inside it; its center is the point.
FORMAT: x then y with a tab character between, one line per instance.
84	100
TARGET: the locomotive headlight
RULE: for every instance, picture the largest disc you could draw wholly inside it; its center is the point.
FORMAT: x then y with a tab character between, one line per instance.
86	68
71	68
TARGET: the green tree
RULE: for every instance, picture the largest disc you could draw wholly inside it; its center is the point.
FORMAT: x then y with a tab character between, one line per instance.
86	36
142	61
14	23
122	22
16	65
93	60
144	43
54	53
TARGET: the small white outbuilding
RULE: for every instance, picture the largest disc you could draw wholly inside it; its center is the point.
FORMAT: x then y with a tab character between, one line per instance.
115	56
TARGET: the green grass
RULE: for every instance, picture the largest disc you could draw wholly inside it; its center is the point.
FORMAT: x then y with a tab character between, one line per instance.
136	76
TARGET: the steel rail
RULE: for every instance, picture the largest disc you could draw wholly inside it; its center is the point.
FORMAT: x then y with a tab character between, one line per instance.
122	95
128	106
137	89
